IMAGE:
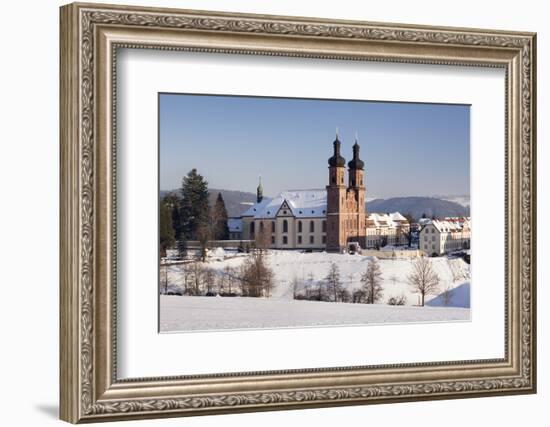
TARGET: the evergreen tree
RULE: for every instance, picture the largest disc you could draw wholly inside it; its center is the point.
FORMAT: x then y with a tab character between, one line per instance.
219	219
173	201
182	247
166	238
194	206
410	219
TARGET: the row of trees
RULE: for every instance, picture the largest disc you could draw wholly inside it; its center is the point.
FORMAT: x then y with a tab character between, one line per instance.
253	278
423	280
189	216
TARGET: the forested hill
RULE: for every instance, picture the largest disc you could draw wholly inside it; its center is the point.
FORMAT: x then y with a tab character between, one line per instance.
418	206
236	202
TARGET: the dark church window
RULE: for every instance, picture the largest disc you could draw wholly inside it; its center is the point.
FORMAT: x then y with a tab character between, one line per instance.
272	240
261	226
311	239
334	180
285	240
299	240
311	226
273	226
299	226
285	226
251	228
324	226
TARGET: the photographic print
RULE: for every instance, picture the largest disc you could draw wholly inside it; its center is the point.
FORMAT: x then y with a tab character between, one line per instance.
285	212
313	201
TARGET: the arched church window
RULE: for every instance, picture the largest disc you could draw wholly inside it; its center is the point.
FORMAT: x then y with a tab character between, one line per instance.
273	226
285	226
311	226
324	226
299	226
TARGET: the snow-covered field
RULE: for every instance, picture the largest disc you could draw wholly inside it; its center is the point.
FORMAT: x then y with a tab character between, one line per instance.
185	313
179	313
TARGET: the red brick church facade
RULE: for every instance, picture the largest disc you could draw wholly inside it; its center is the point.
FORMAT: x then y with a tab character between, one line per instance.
346	212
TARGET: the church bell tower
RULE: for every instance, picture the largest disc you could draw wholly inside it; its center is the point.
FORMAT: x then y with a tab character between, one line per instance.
356	190
336	199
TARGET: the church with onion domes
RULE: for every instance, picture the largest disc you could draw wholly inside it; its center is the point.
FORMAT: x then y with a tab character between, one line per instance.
332	219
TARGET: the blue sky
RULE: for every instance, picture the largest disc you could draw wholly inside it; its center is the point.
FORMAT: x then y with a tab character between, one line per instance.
409	149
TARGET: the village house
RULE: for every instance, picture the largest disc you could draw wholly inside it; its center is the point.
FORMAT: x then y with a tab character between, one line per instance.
441	236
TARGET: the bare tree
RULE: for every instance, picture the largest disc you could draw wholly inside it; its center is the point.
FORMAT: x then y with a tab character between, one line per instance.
456	274
295	282
230	275
165	278
187	271
197	271
262	238
333	281
372	282
256	276
220	282
209	278
351	278
203	236
423	280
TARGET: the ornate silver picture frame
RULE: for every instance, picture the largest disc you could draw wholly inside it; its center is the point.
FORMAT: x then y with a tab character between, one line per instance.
91	36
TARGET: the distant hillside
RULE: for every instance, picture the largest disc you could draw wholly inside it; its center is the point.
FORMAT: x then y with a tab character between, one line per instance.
463	200
418	206
236	202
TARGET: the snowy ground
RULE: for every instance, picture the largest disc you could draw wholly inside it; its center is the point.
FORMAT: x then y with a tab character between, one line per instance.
185	313
281	310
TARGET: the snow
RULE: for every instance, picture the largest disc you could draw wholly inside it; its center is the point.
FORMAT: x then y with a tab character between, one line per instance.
459	297
309	204
281	310
217	253
208	313
302	203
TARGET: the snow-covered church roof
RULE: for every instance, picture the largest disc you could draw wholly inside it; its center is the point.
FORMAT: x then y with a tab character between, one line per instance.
302	203
312	204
